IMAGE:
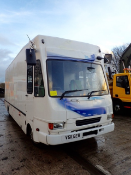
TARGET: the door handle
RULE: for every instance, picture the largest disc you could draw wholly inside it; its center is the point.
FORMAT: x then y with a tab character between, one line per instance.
26	95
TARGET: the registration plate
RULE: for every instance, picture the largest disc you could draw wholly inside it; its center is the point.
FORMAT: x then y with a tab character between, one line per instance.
74	136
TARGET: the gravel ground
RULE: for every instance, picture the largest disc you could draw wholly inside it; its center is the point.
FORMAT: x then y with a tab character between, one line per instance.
111	153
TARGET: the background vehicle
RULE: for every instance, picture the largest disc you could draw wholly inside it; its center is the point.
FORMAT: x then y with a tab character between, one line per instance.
120	87
57	91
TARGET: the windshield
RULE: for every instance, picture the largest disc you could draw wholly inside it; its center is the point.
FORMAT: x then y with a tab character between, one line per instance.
64	75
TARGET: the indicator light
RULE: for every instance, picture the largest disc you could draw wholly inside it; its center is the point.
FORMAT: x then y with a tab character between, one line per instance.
53	126
50	125
37	129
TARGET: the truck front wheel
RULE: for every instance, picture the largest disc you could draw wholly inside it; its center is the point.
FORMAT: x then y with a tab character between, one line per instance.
30	134
117	107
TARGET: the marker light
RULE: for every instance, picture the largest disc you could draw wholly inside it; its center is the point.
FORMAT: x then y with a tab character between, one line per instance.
50	125
37	129
53	126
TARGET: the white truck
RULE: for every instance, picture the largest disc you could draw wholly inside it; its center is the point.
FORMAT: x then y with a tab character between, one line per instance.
57	91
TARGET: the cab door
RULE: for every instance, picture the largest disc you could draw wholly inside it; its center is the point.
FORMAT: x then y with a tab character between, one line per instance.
121	89
30	94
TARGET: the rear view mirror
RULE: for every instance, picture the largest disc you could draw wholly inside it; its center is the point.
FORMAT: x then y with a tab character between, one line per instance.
106	60
30	57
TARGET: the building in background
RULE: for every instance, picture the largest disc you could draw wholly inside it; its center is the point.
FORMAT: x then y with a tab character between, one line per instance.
126	58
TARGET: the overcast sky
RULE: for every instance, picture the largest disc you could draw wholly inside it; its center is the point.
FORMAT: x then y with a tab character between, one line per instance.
105	23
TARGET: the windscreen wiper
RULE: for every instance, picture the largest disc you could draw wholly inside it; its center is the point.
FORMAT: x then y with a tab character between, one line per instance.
90	93
66	92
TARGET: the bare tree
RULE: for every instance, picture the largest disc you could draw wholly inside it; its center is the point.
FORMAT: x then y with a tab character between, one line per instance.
118	51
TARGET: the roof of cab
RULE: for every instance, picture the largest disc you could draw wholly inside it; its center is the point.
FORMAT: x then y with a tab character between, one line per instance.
61	43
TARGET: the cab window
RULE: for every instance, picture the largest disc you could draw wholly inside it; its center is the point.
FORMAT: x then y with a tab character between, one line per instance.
122	81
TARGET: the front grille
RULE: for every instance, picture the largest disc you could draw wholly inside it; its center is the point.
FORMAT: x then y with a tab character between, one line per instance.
87	121
86	128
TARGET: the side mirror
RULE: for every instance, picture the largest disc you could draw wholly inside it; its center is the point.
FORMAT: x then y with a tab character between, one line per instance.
106	60
110	73
30	57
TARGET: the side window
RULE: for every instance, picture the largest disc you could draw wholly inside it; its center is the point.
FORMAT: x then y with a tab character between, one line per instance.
29	79
122	81
39	90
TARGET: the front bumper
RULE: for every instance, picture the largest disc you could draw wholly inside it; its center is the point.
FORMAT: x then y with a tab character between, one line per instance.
78	135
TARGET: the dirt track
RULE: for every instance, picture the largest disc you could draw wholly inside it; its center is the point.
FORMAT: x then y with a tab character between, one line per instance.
111	152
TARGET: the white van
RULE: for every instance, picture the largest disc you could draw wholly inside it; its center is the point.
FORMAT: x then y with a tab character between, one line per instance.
57	92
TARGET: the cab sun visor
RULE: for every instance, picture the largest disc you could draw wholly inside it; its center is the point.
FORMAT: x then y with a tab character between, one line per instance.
30	57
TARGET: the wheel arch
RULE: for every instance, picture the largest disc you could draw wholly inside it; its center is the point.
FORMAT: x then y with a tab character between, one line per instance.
115	100
28	129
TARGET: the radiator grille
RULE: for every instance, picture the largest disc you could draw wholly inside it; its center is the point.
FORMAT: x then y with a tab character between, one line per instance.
87	121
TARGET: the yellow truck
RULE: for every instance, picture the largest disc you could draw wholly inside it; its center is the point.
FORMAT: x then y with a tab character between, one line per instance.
120	87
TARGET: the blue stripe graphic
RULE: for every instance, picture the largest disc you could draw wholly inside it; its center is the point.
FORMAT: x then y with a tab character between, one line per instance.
62	57
82	110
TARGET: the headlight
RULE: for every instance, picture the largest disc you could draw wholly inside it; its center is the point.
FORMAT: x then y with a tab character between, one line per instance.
54	126
109	116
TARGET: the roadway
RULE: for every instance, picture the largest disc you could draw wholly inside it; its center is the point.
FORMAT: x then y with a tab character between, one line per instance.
108	154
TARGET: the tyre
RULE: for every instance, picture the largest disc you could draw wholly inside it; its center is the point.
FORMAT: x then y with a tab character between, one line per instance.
117	107
30	134
8	111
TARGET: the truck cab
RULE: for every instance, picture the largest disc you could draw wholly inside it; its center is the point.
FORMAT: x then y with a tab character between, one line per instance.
58	91
120	90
